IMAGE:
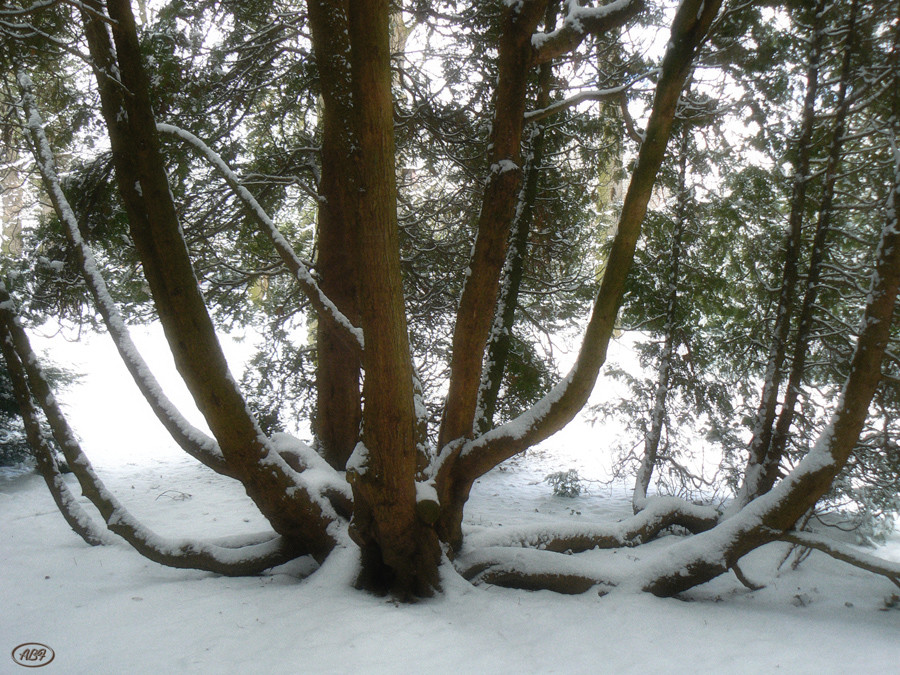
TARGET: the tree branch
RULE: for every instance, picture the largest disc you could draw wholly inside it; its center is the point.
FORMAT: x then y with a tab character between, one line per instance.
660	513
613	93
77	518
564	401
324	307
189	438
228	560
844	553
578	24
530	570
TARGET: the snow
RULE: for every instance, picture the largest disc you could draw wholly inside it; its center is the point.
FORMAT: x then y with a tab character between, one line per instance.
108	610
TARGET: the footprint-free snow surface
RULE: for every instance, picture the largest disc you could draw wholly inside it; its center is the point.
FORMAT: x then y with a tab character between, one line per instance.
108	610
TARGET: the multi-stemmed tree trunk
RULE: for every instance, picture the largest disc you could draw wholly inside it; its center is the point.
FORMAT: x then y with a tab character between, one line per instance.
772	426
400	551
818	258
759	461
500	340
338	406
401	514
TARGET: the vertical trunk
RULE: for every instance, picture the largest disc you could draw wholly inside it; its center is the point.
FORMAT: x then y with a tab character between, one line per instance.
479	297
765	414
338	409
776	451
501	332
658	413
400	552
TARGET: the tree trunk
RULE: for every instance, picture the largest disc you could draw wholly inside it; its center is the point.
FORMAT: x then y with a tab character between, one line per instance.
802	341
479	296
765	414
764	519
338	408
400	552
658	413
80	522
460	466
505	314
156	232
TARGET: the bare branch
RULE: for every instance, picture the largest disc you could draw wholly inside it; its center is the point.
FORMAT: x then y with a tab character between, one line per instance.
844	553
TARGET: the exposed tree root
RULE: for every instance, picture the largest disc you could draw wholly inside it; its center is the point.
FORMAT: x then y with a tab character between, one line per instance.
842	552
529	569
660	513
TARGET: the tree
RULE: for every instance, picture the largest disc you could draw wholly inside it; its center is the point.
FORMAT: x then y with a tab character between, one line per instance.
795	361
399	499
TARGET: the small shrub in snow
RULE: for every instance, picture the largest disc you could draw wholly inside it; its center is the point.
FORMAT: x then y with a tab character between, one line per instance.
565	483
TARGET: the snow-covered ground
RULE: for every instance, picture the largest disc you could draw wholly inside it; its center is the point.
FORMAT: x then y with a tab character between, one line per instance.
108	610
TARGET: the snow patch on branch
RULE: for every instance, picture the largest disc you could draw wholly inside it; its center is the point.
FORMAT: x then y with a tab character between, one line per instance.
285	250
198	442
576	15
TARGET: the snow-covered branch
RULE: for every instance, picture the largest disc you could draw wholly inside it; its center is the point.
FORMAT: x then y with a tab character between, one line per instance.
842	552
322	304
77	518
610	94
580	22
659	514
530	569
229	560
563	402
189	438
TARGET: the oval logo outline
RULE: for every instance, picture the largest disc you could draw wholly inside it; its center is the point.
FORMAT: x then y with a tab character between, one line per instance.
42	653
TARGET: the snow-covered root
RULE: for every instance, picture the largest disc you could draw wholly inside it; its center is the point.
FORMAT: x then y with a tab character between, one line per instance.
659	513
531	570
842	552
228	559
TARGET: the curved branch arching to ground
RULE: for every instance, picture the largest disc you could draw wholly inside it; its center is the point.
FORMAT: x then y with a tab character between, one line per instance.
189	438
228	560
77	518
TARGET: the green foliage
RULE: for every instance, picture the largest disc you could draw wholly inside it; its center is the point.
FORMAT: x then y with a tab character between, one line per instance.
565	483
241	75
